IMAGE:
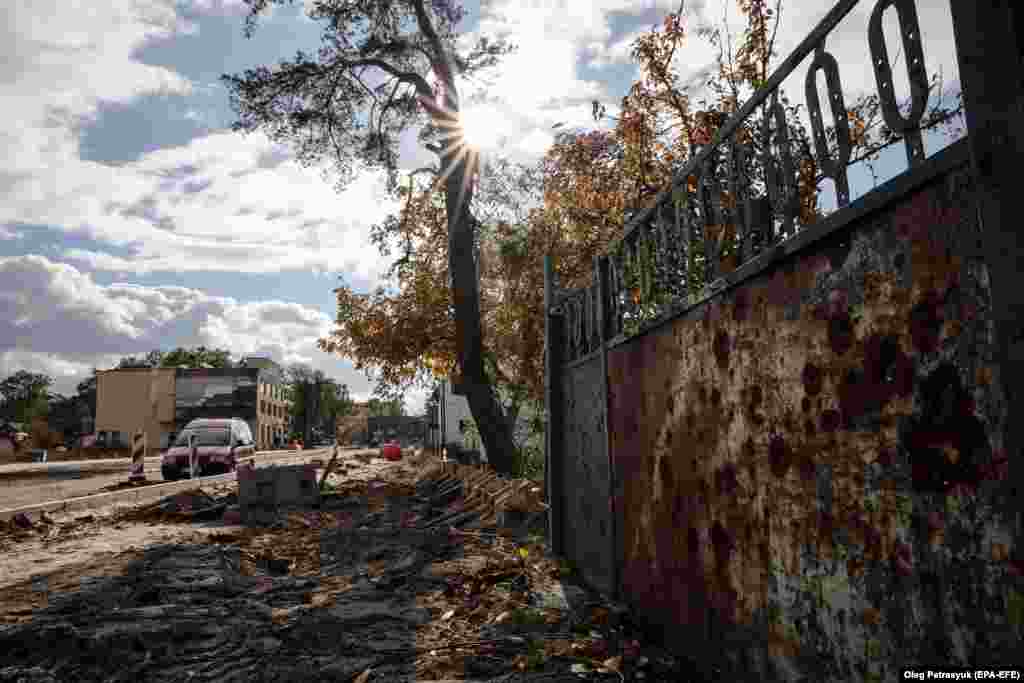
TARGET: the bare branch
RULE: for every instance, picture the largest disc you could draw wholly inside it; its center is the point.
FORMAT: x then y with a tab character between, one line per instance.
410	77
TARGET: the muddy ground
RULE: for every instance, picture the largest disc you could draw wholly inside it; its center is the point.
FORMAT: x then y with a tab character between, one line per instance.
386	581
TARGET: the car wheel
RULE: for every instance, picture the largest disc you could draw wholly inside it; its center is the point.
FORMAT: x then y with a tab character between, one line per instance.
168	474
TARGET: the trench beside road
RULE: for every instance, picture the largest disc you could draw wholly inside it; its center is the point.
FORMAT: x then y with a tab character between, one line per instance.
64	487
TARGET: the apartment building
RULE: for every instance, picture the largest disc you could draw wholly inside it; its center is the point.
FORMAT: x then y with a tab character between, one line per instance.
273	409
128	399
163	400
272	415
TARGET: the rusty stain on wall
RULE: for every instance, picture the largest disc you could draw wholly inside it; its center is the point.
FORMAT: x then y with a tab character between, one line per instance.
823	472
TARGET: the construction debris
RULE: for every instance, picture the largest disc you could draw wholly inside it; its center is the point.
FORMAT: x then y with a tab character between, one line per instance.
472	491
264	492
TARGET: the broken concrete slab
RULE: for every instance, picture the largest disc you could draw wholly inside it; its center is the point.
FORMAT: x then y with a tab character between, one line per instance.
263	494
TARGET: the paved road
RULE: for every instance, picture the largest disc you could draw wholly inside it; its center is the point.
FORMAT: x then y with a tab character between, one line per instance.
59	481
33	469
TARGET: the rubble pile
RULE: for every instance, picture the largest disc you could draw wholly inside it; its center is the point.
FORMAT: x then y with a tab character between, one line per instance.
23	525
192	505
511	504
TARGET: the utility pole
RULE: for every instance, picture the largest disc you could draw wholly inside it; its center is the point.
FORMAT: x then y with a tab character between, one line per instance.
307	401
310	410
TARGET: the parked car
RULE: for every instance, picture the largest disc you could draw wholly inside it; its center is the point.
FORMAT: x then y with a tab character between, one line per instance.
220	444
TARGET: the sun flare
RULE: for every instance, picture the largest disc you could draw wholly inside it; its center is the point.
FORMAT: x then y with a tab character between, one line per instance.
481	127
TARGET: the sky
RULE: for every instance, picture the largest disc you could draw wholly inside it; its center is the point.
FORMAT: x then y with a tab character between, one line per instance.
132	217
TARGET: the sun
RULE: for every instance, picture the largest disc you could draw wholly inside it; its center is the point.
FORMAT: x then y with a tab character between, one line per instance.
482	127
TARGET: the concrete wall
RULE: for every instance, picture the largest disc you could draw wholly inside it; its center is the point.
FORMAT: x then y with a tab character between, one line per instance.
125	402
809	465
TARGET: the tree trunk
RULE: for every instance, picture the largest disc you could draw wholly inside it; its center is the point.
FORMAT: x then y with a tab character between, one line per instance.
483	401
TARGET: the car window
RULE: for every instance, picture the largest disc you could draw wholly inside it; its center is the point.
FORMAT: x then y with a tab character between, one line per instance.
205	436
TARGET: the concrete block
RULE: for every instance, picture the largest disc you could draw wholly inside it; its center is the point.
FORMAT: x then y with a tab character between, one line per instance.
263	492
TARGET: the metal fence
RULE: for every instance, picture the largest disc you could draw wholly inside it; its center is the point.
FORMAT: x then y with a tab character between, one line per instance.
745	182
670	259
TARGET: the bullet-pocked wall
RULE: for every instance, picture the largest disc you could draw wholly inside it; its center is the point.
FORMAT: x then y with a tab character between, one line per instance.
809	465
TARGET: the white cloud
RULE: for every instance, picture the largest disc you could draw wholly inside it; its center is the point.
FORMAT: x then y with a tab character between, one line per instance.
66	60
60	321
62	59
540	84
65	370
618	52
217	7
222	203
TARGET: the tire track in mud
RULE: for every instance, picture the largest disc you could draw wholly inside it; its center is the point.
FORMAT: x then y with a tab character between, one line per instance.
185	611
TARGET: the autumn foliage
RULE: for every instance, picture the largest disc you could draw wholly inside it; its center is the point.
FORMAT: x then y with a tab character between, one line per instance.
581	195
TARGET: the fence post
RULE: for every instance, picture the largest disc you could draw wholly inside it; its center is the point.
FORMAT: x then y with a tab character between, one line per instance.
602	281
990	52
553	436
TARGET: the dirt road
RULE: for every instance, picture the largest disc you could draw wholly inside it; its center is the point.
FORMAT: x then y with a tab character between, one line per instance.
376	585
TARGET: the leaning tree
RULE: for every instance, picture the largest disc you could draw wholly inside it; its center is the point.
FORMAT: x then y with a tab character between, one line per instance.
385	66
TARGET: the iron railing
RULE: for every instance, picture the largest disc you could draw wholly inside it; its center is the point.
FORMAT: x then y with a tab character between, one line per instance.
667	256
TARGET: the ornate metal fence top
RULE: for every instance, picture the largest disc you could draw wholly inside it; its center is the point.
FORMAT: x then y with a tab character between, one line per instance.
747	195
814	39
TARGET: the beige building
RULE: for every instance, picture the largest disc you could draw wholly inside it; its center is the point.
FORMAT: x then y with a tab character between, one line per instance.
271	416
162	401
272	410
136	398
